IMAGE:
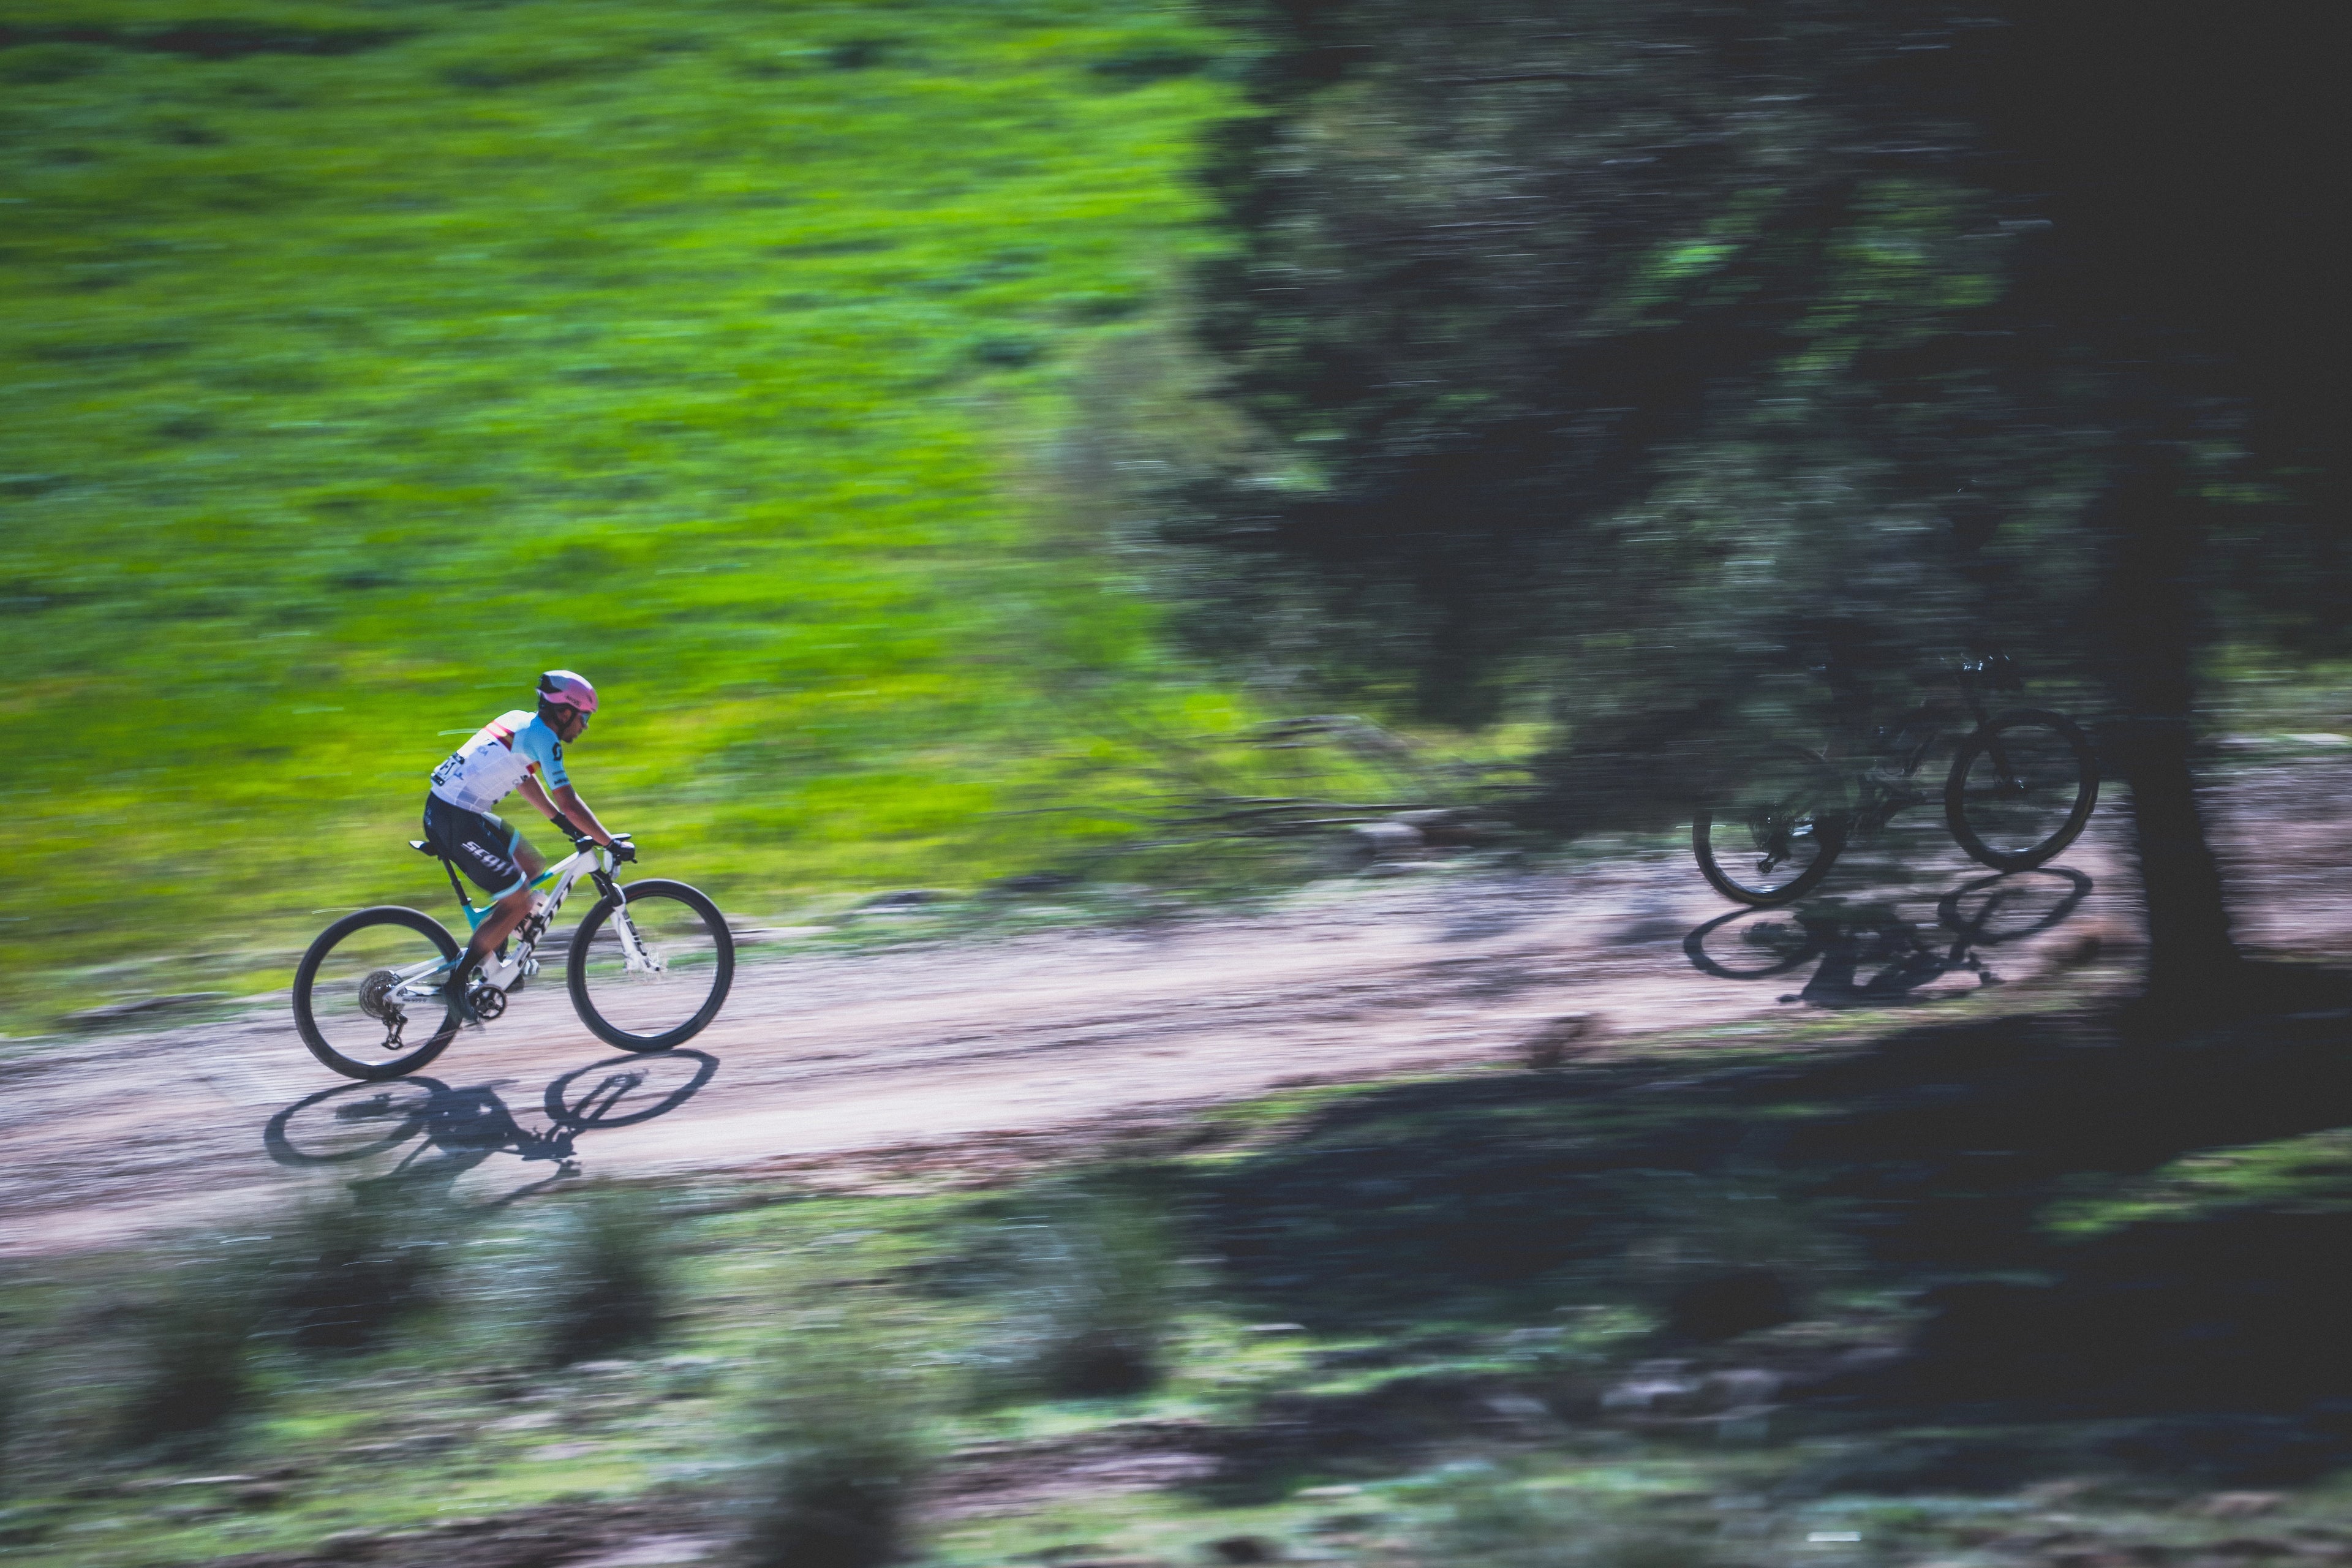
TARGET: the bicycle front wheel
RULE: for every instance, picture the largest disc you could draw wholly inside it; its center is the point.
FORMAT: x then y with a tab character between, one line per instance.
364	998
1772	836
2022	789
665	992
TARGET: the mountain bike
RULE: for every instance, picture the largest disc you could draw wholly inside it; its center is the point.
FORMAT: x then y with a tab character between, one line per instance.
647	968
2021	785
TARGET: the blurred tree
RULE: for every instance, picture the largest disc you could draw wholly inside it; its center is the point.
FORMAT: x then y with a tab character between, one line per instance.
1616	353
1636	358
2180	151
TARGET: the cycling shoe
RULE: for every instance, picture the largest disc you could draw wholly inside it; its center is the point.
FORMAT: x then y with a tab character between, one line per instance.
456	992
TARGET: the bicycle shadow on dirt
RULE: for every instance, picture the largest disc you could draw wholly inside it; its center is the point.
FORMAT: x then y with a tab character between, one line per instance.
1874	955
454	1130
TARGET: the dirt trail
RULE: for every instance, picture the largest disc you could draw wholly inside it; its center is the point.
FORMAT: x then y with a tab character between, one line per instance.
834	1053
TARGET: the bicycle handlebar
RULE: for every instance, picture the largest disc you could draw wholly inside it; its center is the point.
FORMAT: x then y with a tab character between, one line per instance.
1996	670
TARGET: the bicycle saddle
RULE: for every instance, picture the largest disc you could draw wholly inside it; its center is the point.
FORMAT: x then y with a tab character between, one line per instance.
424	846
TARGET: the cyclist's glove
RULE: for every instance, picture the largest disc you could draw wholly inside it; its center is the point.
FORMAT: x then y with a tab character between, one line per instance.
623	851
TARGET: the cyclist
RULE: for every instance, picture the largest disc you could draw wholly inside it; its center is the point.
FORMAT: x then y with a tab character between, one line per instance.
515	750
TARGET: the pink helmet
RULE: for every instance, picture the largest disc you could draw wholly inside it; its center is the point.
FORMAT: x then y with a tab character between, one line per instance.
567	689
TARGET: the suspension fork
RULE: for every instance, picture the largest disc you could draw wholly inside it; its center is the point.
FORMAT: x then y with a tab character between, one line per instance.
632	949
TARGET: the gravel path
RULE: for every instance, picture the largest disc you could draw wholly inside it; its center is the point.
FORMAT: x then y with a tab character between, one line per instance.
819	1055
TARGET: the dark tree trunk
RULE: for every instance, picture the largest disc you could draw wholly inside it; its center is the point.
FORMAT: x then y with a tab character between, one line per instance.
2154	528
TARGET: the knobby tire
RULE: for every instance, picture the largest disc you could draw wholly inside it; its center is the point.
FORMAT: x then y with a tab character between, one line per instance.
1830	829
2086	789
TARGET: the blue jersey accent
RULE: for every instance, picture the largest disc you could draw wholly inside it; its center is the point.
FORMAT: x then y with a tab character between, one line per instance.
538	742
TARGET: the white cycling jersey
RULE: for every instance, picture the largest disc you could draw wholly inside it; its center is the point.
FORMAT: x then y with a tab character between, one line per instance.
486	769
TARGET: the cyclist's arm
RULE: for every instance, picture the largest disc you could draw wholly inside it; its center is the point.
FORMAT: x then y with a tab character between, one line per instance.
566	809
568	802
530	791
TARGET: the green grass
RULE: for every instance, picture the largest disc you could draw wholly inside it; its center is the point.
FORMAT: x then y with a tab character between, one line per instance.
704	348
2312	1173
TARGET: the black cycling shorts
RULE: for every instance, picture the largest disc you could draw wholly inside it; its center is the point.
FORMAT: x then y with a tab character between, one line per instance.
480	842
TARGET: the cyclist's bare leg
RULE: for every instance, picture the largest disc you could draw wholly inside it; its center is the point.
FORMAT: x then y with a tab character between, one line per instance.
505	915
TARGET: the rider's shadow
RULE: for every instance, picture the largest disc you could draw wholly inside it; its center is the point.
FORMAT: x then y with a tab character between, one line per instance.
443	1133
1874	956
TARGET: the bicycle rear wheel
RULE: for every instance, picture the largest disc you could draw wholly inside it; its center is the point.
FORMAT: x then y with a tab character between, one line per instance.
360	996
1772	836
2022	789
668	1000
350	1121
1771	947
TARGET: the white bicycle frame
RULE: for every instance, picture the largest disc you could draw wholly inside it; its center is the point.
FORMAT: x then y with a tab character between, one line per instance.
421	983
